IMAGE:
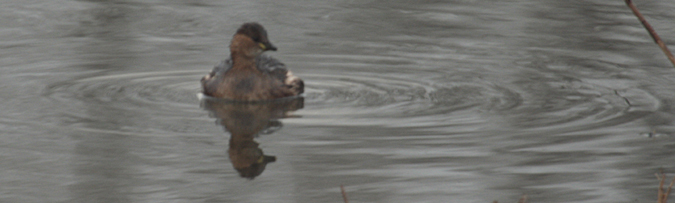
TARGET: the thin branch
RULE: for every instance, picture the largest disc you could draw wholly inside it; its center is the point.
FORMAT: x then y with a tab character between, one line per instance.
663	194
665	199
660	195
651	31
344	194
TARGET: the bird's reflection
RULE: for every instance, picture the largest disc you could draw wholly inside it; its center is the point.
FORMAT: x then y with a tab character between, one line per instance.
245	121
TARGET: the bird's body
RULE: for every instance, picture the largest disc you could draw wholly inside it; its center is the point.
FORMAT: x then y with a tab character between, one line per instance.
248	75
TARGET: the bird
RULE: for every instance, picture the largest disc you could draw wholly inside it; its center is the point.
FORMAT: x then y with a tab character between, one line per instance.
248	75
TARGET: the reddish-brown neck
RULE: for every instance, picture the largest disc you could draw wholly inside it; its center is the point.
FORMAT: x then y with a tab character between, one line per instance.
243	51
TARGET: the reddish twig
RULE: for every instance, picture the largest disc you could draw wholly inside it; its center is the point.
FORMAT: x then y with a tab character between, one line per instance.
344	194
665	198
660	195
651	31
663	193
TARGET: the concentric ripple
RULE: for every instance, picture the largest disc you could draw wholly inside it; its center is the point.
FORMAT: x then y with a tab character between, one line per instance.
389	100
437	101
389	96
146	102
375	99
150	88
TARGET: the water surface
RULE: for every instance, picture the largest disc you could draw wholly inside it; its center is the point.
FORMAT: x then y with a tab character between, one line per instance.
454	101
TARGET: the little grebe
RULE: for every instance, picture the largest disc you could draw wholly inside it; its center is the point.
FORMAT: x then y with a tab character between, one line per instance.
248	75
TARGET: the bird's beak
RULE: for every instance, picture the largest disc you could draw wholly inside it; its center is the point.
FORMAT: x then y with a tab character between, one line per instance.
267	46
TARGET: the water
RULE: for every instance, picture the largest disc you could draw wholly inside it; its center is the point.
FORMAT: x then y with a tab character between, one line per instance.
457	101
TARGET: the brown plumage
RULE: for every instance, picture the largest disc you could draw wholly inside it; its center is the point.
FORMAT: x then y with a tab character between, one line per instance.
248	75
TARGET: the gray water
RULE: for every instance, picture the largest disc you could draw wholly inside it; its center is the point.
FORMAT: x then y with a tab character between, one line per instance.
432	101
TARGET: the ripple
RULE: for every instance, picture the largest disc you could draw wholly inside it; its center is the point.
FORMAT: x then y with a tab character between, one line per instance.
149	103
394	98
374	99
378	98
540	102
149	88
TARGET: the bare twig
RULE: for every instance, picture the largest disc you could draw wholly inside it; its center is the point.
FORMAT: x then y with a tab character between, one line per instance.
344	194
660	195
665	198
663	193
651	31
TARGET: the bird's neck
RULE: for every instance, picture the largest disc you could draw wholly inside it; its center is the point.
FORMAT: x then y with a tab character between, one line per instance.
242	52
